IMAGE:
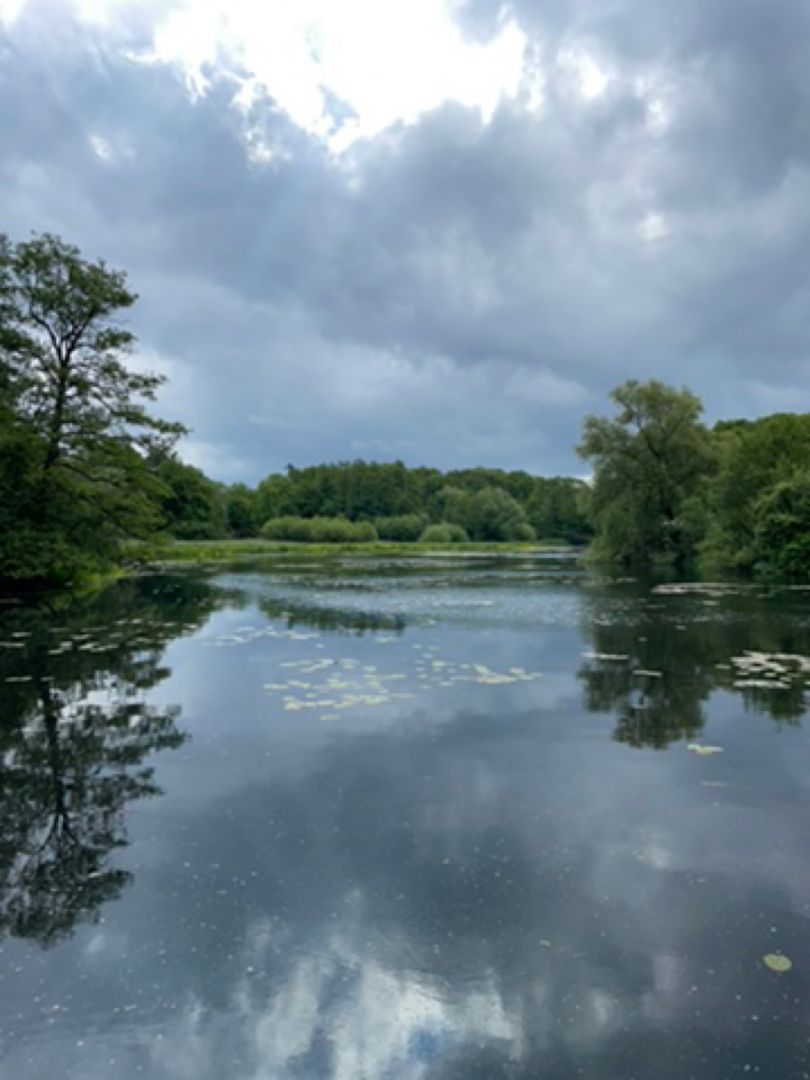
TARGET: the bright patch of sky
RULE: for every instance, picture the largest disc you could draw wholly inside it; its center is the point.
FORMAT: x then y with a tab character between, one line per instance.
653	227
593	80
384	63
10	9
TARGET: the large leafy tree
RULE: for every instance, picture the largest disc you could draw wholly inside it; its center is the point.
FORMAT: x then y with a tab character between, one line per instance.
649	464
77	411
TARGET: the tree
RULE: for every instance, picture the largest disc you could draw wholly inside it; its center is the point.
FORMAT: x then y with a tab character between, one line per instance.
242	511
554	509
492	514
450	504
193	506
77	406
276	497
782	531
754	458
648	462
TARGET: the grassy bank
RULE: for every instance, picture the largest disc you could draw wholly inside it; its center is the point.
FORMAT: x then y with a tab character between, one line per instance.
190	551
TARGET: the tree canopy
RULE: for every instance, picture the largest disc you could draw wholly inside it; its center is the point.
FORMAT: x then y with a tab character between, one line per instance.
649	461
666	489
77	432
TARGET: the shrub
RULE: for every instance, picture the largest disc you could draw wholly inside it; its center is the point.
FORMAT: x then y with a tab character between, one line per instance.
524	532
319	530
443	533
493	514
402	527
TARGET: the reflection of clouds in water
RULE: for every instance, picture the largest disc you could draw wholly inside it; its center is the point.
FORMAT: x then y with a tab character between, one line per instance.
344	1017
385	1023
474	883
359	1019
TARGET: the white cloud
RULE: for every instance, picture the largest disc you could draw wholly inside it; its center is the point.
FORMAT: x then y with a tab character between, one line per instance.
592	79
653	227
10	10
386	63
101	148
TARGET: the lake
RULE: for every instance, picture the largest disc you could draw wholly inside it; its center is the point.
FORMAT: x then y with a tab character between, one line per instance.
436	818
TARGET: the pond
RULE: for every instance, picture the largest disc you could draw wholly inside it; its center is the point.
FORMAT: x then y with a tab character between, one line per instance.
440	818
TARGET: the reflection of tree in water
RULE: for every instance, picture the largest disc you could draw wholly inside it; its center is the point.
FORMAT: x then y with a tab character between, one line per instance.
656	660
332	618
74	741
67	778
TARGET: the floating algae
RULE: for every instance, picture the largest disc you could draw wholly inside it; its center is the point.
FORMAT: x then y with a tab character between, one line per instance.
777	962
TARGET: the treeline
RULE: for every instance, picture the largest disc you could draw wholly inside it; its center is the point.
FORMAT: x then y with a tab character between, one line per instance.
366	501
668	490
84	465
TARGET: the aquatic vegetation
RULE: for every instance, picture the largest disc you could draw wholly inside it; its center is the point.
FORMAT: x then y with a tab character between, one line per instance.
777	962
615	657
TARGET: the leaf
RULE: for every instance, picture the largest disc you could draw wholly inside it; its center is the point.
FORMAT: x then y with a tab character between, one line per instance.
777	962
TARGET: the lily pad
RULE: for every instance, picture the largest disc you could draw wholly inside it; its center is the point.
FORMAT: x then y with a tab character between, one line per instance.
777	962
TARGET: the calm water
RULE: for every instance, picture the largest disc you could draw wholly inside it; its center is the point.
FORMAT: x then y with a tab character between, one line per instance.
455	819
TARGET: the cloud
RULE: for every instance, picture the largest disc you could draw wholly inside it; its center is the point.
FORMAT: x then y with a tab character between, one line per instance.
442	234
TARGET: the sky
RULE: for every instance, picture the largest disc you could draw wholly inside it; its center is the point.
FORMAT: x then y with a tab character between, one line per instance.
438	231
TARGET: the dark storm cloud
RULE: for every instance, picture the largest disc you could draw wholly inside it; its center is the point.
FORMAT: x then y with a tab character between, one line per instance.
454	291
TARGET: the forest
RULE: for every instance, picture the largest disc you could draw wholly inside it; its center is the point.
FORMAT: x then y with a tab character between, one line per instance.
86	468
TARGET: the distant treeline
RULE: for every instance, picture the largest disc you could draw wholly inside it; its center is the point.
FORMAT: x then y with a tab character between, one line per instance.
85	465
366	501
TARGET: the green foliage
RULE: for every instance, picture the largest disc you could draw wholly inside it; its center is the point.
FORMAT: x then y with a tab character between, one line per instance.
193	506
557	507
76	433
358	490
319	530
242	511
401	527
755	457
782	528
650	464
492	514
444	533
391	493
276	498
451	504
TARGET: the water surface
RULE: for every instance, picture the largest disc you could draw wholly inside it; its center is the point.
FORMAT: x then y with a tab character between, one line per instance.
450	818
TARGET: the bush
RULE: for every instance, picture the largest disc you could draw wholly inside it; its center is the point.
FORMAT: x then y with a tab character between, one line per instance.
319	530
402	527
524	533
492	514
443	534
